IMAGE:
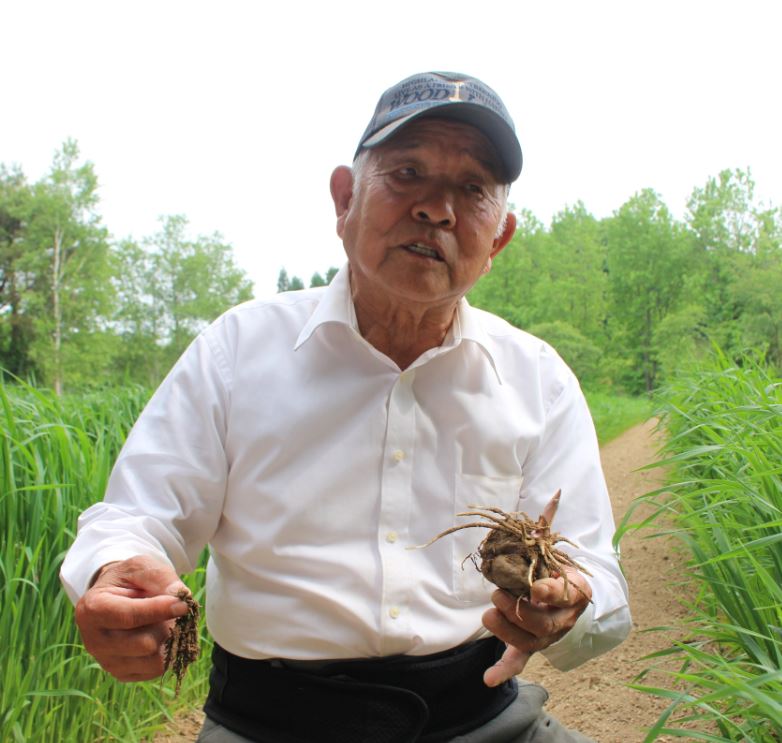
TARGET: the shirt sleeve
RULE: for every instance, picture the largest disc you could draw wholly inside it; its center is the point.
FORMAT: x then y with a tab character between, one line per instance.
567	457
166	491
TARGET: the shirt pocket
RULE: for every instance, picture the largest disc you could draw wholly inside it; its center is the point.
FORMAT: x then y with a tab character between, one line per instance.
481	491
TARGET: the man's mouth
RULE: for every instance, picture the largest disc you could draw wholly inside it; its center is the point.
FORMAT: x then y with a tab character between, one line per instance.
423	250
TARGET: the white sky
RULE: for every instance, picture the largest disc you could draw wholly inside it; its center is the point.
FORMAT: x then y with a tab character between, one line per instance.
234	113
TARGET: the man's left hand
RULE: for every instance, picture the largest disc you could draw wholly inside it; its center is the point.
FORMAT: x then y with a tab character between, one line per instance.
528	626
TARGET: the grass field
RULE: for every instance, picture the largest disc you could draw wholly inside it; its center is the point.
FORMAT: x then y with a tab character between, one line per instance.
55	458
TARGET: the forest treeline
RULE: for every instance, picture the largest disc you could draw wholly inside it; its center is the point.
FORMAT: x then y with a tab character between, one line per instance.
625	299
80	307
629	299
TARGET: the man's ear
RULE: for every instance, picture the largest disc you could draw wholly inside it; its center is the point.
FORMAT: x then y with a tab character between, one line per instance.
342	194
505	236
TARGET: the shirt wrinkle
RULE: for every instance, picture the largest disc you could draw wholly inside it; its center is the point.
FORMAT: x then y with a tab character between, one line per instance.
220	359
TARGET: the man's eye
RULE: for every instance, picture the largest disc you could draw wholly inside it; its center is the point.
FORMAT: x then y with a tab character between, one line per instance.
407	172
475	188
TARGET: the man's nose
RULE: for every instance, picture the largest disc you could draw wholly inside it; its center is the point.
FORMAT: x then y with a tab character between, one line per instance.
436	208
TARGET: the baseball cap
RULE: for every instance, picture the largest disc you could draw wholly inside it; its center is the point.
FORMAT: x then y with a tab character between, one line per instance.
449	95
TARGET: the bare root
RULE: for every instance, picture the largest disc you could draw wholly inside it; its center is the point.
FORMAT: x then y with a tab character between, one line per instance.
517	551
182	646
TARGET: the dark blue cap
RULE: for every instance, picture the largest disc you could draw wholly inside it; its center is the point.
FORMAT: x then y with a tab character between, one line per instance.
448	95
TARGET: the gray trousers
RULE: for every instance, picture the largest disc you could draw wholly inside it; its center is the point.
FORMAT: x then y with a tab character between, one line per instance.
524	721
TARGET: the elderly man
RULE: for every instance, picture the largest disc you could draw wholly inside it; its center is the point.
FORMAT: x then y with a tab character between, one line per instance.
312	438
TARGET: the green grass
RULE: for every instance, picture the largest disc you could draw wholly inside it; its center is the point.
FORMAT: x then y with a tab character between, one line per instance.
55	458
614	413
724	452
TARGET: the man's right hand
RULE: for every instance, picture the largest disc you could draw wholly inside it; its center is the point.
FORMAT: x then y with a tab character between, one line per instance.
126	616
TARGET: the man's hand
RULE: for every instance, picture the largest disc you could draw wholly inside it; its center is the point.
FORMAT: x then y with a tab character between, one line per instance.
126	616
541	621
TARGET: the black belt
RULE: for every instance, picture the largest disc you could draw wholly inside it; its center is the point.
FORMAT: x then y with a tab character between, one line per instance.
398	699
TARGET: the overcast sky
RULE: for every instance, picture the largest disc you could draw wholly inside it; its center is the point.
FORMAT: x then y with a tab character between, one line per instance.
235	113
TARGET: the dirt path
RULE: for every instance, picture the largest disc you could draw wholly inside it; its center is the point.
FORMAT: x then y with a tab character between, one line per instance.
594	698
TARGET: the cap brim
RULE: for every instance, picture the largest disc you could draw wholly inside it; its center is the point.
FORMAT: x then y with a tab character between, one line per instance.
493	127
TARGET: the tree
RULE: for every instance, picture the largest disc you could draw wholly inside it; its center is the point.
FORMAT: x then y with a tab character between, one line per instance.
576	257
647	257
318	280
738	252
137	321
171	287
66	249
581	355
284	284
507	289
758	289
16	331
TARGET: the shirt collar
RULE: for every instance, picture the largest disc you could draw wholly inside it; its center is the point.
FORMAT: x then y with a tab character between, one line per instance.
467	326
336	306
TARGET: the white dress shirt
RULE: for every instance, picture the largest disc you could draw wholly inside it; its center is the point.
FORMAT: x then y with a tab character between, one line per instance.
309	463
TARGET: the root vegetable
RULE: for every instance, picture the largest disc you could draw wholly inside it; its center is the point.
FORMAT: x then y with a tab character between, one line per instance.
517	551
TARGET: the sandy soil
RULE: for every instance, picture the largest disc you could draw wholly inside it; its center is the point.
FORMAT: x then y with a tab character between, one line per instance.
594	697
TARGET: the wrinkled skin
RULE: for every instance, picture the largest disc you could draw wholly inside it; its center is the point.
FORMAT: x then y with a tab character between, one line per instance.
432	187
126	617
529	626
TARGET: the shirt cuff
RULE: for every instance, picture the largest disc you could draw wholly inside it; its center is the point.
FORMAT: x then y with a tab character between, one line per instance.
588	639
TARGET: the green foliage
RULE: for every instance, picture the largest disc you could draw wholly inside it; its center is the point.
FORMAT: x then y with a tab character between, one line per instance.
628	300
285	284
577	275
648	292
646	258
724	447
170	288
55	459
738	264
16	328
507	289
76	308
54	258
579	353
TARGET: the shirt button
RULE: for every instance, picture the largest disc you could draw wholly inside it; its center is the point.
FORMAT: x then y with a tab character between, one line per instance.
391	537
394	612
399	455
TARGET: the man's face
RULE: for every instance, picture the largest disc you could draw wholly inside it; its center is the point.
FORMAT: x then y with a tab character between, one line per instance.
422	221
